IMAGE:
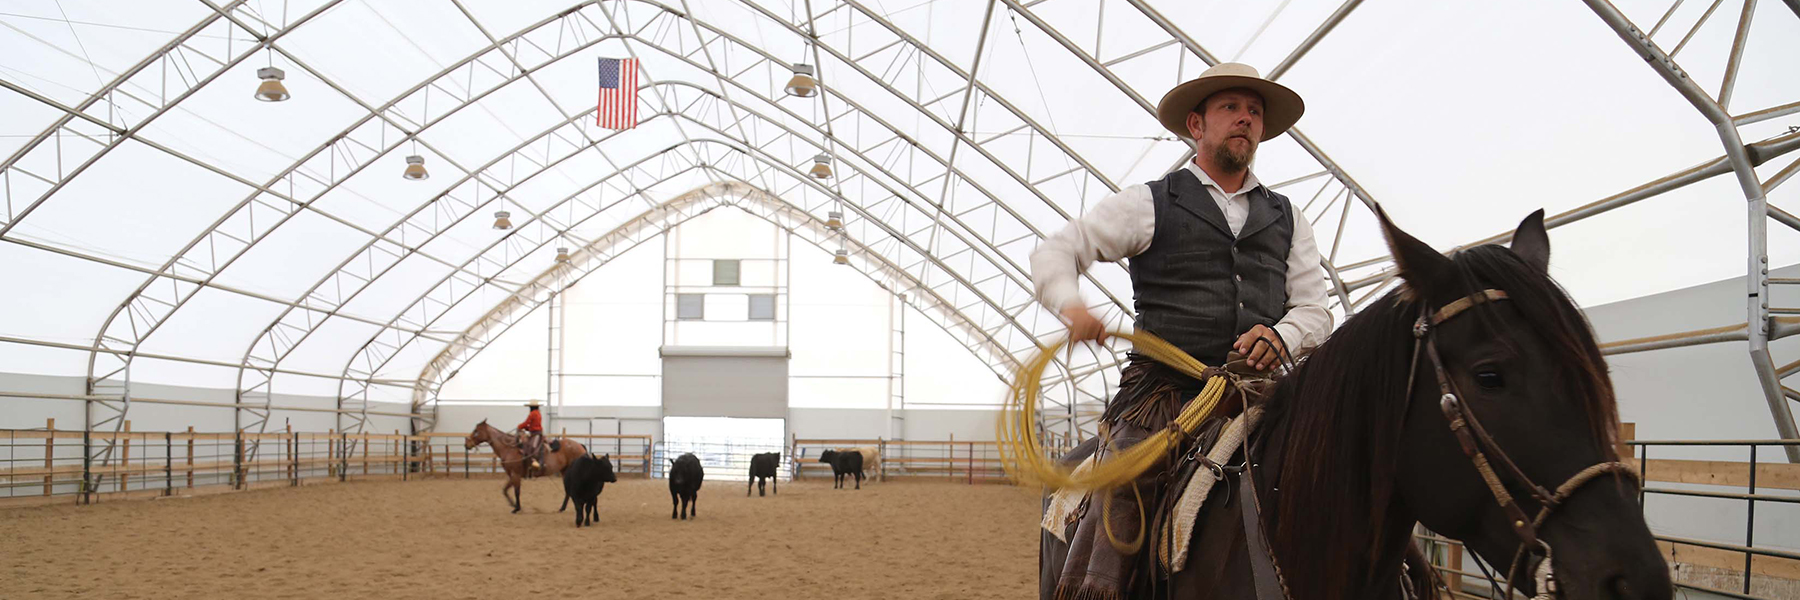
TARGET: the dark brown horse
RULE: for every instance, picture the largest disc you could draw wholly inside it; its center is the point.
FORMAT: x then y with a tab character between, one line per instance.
557	456
1357	446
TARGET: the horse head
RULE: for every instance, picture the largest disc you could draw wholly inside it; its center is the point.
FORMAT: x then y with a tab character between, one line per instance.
477	436
1520	375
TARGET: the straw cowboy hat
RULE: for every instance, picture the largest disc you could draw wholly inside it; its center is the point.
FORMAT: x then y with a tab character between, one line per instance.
1281	106
533	404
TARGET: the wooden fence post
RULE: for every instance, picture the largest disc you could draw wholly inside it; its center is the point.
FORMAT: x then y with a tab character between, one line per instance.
190	457
49	454
950	458
1627	432
237	461
293	452
1456	565
125	461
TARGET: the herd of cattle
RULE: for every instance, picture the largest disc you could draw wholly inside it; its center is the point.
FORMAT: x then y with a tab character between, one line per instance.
584	479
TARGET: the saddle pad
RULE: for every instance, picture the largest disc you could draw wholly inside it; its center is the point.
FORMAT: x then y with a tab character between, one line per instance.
1064	503
1200	485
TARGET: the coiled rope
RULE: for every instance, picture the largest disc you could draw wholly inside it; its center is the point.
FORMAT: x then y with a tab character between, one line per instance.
1028	462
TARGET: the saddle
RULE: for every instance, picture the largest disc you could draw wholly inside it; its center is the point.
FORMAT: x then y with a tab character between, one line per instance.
546	447
1168	507
1202	463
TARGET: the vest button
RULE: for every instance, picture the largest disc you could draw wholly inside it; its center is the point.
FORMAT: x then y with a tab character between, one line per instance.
1239	277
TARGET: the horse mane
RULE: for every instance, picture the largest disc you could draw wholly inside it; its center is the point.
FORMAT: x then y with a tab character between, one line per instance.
498	434
1337	424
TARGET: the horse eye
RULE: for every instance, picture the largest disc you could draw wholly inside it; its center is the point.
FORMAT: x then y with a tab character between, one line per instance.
1490	380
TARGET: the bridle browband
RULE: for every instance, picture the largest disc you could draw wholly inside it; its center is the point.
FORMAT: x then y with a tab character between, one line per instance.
1476	444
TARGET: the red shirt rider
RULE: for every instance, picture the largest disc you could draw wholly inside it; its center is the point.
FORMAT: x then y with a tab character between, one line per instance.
533	430
534	422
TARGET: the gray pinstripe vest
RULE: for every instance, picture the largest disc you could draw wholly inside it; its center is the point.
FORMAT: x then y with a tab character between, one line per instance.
1198	286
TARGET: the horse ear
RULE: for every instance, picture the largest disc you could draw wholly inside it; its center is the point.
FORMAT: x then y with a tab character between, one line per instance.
1532	243
1423	267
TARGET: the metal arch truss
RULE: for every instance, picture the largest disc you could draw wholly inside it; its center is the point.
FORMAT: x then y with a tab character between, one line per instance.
730	191
1742	160
154	302
743	162
901	184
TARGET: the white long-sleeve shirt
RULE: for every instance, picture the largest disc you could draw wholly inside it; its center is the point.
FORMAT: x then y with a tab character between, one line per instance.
1121	226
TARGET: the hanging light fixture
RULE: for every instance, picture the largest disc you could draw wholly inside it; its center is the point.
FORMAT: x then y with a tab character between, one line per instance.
802	84
271	89
834	220
502	220
821	168
415	168
842	257
562	254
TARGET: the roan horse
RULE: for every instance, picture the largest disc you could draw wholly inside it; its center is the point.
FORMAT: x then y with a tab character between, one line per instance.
1357	444
557	456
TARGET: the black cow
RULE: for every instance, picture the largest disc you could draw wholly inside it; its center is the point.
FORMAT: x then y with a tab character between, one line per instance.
762	472
583	481
685	476
843	464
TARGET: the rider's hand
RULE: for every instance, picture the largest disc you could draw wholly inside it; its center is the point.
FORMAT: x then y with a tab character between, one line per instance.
1260	356
1082	325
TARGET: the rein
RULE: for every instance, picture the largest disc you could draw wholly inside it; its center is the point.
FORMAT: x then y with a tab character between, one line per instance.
1476	444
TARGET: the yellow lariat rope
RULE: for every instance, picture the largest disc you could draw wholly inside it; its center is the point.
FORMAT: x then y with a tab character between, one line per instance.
1028	462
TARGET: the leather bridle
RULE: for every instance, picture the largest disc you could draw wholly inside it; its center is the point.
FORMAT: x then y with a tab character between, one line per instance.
1478	446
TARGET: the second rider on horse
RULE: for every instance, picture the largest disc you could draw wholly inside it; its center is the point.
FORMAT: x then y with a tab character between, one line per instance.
532	435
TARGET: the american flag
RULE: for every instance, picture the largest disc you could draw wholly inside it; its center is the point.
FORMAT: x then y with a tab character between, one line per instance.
618	93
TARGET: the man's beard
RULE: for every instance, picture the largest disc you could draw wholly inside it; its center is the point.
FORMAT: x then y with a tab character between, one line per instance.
1230	160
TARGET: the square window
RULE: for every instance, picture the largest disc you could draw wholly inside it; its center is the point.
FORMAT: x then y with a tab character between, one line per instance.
725	272
762	307
690	307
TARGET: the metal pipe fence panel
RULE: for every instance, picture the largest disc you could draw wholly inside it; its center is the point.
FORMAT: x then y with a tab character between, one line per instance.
1730	568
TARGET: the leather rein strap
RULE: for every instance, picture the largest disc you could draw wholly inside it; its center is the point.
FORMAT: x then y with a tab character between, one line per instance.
1265	575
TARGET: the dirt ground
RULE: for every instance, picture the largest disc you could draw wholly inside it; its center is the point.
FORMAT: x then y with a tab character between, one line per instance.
451	539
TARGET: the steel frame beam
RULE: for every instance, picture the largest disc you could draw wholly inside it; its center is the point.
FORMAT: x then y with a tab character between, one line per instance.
999	366
696	25
1737	154
535	218
734	192
459	106
169	287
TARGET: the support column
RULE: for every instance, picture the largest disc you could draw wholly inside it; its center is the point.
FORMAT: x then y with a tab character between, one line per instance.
553	397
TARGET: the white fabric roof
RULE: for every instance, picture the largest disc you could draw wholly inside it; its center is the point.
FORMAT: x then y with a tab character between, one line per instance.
156	215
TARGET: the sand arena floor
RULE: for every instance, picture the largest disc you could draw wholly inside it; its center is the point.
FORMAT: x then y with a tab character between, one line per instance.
451	539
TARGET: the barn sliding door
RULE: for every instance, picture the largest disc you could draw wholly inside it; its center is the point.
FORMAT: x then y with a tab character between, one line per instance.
708	381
